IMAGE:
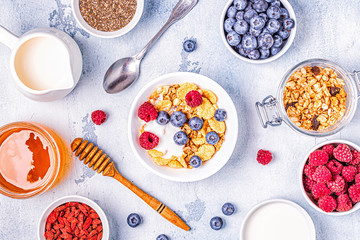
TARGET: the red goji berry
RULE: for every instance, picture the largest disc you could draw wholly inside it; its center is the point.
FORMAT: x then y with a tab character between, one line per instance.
92	233
73	225
48	226
77	212
58	226
93	238
66	235
87	223
61	221
51	218
94	215
60	208
99	228
86	206
66	222
99	236
49	235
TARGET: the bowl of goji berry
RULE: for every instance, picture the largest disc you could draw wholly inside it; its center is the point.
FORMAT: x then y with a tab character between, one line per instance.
73	217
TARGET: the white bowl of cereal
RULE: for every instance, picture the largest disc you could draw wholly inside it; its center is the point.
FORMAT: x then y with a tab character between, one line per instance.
316	98
168	159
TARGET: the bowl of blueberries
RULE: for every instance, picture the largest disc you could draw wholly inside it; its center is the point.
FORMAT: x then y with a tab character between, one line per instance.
258	31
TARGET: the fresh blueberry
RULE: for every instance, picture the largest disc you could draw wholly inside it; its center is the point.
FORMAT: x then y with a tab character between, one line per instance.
228	209
195	161
134	220
254	54
233	38
254	32
276	3
162	237
249	14
189	45
273	26
266	41
220	115
278	41
265	30
216	223
212	138
284	13
243	52
260	5
241	27
264	53
196	123
257	22
228	24
240	4
163	118
289	24
180	138
249	7
240	15
178	119
274	12
249	42
283	33
264	16
275	50
231	12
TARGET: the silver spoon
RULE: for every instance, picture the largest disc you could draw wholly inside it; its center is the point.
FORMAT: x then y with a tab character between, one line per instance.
125	71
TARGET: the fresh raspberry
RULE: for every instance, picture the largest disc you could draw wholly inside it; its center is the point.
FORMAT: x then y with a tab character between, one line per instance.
319	190
337	185
344	191
193	98
148	140
348	173
357	179
354	193
356	157
327	203
264	157
322	175
309	171
334	166
343	203
343	153
328	149
147	112
317	158
98	117
308	184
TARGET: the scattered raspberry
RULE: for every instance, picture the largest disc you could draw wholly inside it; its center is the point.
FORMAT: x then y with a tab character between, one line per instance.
327	203
348	173
322	175
147	112
354	193
319	190
343	153
356	157
308	184
98	117
328	149
318	157
264	157
193	98
309	171
357	179
343	203
148	140
337	185
335	167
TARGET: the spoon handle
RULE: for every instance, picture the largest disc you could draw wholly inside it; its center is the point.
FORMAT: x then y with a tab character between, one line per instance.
182	8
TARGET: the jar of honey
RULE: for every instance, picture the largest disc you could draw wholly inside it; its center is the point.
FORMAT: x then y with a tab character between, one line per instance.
30	159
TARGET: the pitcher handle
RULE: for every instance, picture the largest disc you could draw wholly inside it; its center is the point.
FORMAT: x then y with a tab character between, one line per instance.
268	112
8	38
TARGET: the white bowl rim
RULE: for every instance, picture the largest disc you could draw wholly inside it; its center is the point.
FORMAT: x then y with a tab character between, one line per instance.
308	200
101	34
73	198
278	200
289	42
188	75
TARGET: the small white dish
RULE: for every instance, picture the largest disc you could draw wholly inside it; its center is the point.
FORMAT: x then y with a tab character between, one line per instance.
75	5
307	195
277	219
290	40
73	198
219	159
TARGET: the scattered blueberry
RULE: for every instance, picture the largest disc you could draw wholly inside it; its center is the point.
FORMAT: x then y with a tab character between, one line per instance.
283	33
162	237
273	26
163	118
241	27
228	24
276	3
233	38
220	115
284	13
289	24
178	119
231	12
274	12
180	138
264	16
240	15
249	14
254	32
196	123
266	41
133	220
275	50
260	6
254	54
264	53
212	138
189	45
228	209
257	22
216	223
195	161
277	41
240	4
249	42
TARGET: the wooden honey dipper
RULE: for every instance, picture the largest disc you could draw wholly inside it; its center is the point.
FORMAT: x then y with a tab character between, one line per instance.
98	160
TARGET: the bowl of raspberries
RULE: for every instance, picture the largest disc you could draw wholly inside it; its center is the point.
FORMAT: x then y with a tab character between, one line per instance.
330	177
258	31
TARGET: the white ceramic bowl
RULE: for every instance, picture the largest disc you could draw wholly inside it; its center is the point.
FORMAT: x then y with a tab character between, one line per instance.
80	20
219	159
73	198
307	195
290	40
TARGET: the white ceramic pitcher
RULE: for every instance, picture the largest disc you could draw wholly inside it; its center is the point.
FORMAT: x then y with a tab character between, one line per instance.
70	71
